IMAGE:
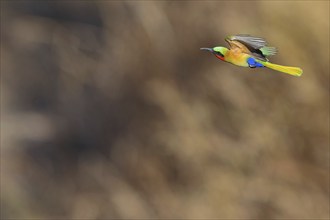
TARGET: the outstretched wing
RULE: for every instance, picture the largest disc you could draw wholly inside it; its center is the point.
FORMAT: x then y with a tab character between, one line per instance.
254	46
249	41
238	45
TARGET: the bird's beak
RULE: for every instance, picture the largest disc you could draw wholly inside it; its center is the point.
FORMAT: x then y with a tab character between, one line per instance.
208	49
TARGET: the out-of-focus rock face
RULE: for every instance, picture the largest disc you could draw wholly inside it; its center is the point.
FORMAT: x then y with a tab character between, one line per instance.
110	110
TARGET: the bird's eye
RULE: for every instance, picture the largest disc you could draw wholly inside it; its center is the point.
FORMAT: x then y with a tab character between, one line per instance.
219	53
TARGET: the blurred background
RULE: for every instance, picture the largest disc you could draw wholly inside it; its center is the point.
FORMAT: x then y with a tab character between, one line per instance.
110	110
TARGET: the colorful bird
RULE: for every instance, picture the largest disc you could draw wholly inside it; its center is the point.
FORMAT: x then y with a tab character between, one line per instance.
249	51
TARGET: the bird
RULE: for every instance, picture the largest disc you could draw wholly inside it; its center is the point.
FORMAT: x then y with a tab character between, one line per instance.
249	51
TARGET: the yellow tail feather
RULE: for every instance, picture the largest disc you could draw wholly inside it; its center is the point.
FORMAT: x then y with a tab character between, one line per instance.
295	71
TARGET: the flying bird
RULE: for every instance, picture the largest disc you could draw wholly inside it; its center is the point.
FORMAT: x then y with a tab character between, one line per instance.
249	51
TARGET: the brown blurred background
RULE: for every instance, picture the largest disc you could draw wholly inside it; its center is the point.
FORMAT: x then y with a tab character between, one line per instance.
110	110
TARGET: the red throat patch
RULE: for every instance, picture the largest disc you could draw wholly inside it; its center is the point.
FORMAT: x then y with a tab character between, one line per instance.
219	57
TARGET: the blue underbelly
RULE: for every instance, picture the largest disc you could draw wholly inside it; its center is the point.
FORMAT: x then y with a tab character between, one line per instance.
253	63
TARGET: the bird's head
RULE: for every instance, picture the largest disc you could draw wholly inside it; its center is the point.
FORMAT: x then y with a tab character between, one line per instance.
219	52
